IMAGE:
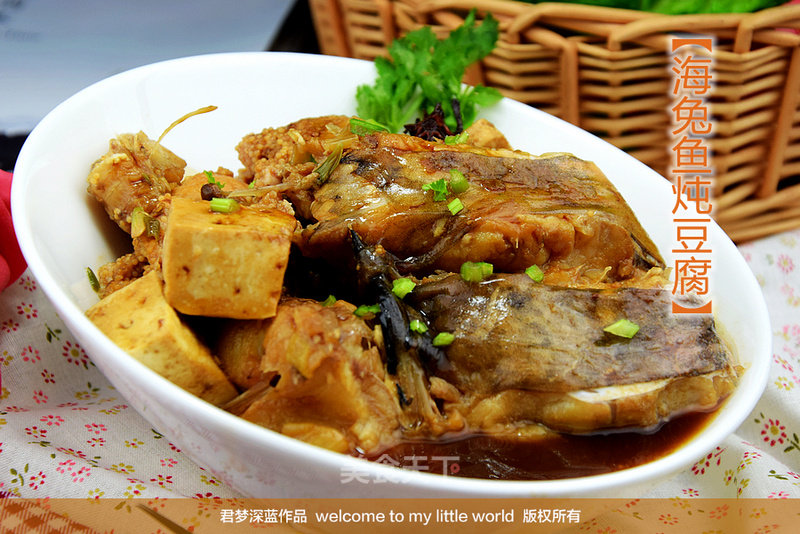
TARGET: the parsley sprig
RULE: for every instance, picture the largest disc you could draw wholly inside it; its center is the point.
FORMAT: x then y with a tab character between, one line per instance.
422	71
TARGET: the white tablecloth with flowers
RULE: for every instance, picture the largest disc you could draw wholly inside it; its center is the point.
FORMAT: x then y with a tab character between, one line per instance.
65	431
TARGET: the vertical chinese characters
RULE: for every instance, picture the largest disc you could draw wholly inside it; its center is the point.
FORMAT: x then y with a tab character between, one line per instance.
692	173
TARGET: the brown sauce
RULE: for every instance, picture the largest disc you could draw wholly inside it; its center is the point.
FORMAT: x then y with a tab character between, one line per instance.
565	456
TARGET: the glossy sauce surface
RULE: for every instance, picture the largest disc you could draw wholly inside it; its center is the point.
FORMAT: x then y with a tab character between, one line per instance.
565	456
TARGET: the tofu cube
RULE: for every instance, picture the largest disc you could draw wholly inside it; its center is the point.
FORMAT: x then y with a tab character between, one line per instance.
139	320
225	264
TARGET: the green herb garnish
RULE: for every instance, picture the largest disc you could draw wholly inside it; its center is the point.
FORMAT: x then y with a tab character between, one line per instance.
455	206
325	168
402	287
212	180
224	205
439	188
93	281
422	71
365	309
366	126
443	339
457	139
623	328
535	273
417	326
476	271
142	223
458	182
330	301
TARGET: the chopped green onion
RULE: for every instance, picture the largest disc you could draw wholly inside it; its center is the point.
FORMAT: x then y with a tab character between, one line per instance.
457	139
252	185
439	188
455	206
366	126
212	180
623	328
364	309
417	326
535	273
476	271
402	287
327	166
458	182
138	223
443	339
142	223
330	301
224	205
93	281
153	227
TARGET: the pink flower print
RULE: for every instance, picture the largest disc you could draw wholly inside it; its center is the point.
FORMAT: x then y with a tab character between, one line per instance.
778	495
81	474
67	404
785	263
27	310
49	377
169	462
27	283
206	495
96	427
700	467
36	481
65	466
783	363
773	432
16	409
691	492
36	432
8	326
51	420
72	452
162	480
29	354
74	353
40	397
174	447
99	442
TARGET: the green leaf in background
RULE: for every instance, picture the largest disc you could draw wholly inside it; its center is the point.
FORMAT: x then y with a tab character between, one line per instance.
682	7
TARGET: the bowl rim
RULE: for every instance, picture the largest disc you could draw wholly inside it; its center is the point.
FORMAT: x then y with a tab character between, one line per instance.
703	441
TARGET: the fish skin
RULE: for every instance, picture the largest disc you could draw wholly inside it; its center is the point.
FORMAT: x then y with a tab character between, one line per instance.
512	333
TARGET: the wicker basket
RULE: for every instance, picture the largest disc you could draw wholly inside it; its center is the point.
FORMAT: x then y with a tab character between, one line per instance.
608	71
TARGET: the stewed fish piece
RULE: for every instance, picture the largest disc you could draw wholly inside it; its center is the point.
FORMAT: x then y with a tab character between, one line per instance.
524	351
555	211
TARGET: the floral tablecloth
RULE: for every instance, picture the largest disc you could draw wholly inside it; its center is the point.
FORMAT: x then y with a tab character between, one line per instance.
65	431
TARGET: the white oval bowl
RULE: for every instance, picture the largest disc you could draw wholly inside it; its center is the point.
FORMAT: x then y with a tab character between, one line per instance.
62	231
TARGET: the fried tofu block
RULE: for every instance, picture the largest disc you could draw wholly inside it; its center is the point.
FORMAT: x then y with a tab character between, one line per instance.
139	320
225	264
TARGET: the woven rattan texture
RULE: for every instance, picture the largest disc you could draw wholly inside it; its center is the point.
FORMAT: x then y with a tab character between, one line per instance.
608	71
